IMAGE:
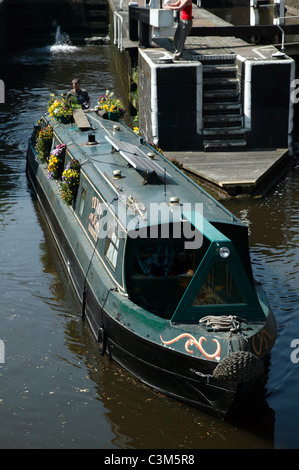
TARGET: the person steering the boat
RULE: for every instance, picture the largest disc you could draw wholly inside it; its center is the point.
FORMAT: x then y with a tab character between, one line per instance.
79	93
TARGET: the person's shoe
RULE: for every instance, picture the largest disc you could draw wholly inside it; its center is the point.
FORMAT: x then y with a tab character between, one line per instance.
177	56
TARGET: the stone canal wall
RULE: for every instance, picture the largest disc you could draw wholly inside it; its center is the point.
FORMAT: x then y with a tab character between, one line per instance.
292	4
292	7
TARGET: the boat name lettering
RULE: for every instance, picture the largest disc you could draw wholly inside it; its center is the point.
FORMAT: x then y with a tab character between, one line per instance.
191	341
94	218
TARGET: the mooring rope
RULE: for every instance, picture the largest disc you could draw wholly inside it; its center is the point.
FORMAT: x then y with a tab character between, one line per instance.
223	322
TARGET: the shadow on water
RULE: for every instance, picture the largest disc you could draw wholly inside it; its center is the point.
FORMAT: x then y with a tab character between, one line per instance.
273	234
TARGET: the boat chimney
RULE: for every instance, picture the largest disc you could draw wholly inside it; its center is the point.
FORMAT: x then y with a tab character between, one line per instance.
91	137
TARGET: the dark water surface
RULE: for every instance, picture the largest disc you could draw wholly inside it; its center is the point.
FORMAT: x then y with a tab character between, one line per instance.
55	389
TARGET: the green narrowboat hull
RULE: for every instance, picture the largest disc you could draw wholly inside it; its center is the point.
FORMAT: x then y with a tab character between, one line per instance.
200	335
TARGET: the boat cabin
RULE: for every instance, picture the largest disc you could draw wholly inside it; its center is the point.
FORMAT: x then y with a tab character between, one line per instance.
184	285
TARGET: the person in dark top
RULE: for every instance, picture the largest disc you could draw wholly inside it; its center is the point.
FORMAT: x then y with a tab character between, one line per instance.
79	93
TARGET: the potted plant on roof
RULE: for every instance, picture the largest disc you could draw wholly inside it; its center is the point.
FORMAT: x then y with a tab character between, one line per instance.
56	162
61	108
110	107
70	182
44	143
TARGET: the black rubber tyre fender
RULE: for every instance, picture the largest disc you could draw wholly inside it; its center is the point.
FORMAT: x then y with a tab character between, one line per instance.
239	366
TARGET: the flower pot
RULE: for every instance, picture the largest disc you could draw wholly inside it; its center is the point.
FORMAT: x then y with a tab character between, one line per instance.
103	114
112	116
46	150
64	119
59	170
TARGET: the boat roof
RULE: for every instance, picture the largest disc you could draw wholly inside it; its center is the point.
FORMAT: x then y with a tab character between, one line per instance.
143	180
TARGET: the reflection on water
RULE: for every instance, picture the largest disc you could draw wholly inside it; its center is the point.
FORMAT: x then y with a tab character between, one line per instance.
274	238
56	391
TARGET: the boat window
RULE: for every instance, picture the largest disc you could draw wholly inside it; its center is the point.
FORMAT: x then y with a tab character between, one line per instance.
112	246
219	288
163	261
158	273
82	201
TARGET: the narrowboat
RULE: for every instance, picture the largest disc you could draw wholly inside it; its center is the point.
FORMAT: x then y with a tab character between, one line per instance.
161	268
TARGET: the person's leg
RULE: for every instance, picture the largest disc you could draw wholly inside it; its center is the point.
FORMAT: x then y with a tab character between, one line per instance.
177	36
185	28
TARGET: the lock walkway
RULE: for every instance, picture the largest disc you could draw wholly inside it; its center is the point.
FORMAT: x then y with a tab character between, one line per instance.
253	172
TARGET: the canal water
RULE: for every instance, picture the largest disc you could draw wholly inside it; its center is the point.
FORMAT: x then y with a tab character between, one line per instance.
55	389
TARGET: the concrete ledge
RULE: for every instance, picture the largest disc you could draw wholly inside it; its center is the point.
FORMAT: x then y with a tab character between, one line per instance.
246	172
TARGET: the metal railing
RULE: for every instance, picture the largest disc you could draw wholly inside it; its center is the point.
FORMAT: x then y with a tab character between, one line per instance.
118	30
277	21
263	6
